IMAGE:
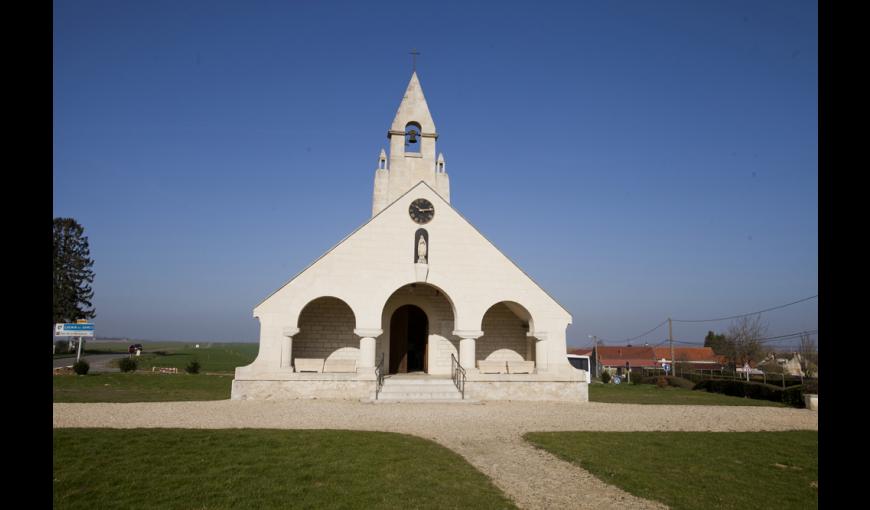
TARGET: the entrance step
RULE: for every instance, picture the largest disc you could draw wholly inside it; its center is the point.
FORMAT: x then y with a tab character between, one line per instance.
418	389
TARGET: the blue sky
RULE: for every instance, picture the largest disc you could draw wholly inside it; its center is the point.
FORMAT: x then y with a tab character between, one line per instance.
638	159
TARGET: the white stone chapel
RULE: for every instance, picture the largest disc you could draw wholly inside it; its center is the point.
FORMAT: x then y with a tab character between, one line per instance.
414	304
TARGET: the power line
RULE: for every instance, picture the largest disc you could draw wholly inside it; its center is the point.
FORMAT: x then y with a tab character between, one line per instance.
648	332
790	335
747	314
718	319
812	332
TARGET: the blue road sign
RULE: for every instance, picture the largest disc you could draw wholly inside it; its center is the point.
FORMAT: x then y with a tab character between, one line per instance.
74	329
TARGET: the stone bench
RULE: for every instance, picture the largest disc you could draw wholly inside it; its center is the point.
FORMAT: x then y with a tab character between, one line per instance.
491	367
309	365
339	365
521	367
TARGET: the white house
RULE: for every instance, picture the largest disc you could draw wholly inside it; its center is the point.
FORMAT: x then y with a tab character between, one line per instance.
415	294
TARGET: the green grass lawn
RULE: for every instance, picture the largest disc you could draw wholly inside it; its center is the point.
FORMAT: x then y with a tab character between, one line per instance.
699	470
103	347
216	358
141	387
212	356
652	394
248	468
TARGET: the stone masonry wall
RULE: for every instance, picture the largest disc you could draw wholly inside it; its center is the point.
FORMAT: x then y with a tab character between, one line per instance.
326	331
504	336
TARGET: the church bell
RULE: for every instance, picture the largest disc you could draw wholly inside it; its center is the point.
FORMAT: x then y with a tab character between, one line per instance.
412	136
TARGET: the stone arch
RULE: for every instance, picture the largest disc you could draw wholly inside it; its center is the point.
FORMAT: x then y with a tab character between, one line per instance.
440	315
326	327
505	327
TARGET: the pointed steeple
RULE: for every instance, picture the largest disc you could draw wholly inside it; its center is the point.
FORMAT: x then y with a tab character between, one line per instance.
414	109
412	153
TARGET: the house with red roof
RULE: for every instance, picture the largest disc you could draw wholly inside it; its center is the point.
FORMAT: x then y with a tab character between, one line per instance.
690	358
619	359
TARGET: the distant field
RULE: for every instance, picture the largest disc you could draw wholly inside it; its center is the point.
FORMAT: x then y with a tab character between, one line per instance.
222	353
652	394
212	357
141	387
218	362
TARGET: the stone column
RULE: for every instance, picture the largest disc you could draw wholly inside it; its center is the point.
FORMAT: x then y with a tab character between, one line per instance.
367	347
287	347
467	348
541	357
530	347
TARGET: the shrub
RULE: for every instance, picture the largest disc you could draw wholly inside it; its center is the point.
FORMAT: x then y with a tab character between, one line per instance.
192	367
605	377
677	382
81	367
61	347
637	376
127	365
793	396
680	382
662	381
811	386
759	391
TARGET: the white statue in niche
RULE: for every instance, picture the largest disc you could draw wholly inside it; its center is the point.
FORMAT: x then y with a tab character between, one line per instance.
421	250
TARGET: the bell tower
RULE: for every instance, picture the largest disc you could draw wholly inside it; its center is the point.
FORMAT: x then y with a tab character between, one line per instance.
412	159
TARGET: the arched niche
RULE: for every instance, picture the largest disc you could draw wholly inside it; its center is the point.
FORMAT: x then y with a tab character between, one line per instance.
505	327
326	327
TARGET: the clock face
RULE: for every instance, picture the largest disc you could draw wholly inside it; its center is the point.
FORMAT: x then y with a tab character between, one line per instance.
421	210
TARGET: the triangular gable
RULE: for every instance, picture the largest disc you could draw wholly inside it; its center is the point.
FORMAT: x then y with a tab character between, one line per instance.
389	208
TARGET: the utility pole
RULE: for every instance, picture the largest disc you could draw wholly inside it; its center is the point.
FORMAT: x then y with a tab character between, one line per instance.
671	338
595	357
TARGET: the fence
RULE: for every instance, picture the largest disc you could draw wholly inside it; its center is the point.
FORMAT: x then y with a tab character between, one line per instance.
698	375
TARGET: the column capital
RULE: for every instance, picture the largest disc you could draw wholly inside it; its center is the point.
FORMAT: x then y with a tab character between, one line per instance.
289	331
540	335
368	333
468	333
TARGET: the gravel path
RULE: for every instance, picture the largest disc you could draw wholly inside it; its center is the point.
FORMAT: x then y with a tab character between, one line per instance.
488	435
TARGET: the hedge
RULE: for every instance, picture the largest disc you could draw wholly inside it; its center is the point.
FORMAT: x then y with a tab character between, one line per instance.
677	382
792	396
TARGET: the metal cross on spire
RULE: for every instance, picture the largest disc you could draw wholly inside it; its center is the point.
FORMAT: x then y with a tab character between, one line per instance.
414	54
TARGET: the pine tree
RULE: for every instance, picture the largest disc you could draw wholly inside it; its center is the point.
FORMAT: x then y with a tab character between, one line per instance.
718	343
73	275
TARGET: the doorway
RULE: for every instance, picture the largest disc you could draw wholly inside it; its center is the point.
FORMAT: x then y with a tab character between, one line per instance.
409	340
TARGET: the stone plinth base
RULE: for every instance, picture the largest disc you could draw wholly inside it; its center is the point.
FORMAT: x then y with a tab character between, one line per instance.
560	391
301	389
292	386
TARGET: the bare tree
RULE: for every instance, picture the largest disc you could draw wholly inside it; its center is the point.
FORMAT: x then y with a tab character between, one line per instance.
809	355
744	340
683	362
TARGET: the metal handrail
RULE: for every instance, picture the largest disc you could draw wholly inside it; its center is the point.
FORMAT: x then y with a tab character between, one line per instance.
379	376
458	374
